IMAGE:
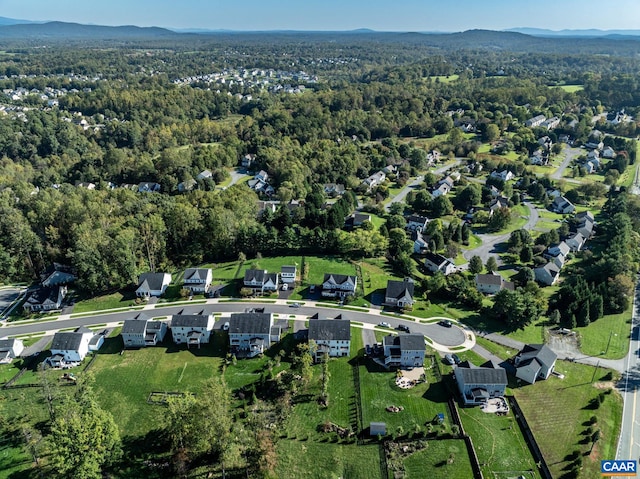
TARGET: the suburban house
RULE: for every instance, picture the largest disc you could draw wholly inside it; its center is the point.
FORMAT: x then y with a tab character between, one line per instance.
247	160
45	298
375	179
10	349
535	121
547	274
338	285
417	223
420	245
575	241
251	334
357	219
141	331
148	187
504	175
608	152
535	361
441	190
72	347
204	175
288	274
260	279
193	329
584	223
399	293
152	284
198	280
436	262
492	283
57	274
332	337
187	185
477	384
562	205
561	249
333	189
551	123
404	350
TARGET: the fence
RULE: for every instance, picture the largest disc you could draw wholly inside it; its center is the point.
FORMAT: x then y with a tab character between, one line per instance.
475	462
528	436
358	399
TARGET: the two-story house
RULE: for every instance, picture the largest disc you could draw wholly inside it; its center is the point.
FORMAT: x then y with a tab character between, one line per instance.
251	334
68	348
417	223
198	280
192	329
492	283
436	262
152	284
535	361
477	384
332	337
141	331
10	349
404	350
288	274
338	285
260	279
399	293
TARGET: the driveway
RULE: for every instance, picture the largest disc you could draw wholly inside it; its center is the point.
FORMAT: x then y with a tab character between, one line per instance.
236	175
7	297
569	155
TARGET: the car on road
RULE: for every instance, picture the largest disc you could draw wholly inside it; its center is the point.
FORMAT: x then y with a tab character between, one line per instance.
384	324
402	327
449	359
294	305
446	323
456	358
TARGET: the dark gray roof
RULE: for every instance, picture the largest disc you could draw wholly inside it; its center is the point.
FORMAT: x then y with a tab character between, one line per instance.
95	339
134	326
66	341
273	277
42	294
541	352
398	289
6	344
257	275
528	368
189	321
435	258
153	281
475	375
196	273
82	330
411	342
250	323
417	219
494	279
339	278
288	269
330	329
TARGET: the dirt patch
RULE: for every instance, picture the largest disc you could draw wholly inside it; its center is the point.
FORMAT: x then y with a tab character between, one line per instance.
564	344
604	385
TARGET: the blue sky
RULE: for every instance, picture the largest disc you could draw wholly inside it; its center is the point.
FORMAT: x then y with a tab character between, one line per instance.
384	15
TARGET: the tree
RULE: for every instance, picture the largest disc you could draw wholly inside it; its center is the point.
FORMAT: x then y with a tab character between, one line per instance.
500	219
441	206
492	264
84	438
491	133
475	265
526	254
470	195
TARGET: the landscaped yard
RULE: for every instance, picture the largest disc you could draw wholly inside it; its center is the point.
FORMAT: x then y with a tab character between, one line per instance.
498	442
558	413
446	459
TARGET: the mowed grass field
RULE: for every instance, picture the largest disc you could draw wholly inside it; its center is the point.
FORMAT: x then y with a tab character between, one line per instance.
498	442
435	460
557	411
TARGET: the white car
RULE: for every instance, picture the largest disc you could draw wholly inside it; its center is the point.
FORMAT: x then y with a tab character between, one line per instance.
384	324
225	326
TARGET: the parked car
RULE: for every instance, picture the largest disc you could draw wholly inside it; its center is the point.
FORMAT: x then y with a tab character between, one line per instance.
404	328
384	324
449	359
456	358
367	350
294	305
445	322
225	326
312	288
285	287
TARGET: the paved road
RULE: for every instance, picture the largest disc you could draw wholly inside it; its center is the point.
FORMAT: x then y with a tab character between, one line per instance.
490	242
569	155
453	336
7	297
629	443
236	175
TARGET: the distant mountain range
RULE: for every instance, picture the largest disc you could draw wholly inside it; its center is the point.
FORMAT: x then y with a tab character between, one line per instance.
63	30
543	32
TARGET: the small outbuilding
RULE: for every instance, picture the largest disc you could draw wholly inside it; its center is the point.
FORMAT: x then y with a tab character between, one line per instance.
378	429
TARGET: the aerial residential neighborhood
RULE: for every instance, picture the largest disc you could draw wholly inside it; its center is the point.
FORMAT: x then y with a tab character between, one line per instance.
315	254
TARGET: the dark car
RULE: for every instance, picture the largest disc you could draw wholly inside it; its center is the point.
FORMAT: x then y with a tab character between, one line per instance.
404	328
456	358
367	350
446	323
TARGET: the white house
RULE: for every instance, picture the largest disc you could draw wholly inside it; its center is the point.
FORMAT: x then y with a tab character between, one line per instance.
560	249
535	121
436	262
404	350
492	283
608	152
575	242
504	175
198	280
332	337
251	334
375	179
399	293
45	298
10	349
70	347
417	223
477	384
338	285
288	274
141	331
547	274
420	244
535	361
152	284
562	205
192	329
261	279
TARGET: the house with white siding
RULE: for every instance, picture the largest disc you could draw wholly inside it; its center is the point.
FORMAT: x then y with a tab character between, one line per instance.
332	337
191	329
251	334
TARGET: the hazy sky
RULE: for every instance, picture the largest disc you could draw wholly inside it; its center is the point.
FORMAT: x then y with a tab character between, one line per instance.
385	15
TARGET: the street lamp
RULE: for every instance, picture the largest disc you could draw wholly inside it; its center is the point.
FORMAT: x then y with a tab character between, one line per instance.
609	342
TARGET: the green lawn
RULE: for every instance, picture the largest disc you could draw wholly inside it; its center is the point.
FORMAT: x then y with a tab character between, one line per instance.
309	460
497	349
421	403
444	78
107	301
318	266
609	335
498	442
557	412
434	458
571	88
376	272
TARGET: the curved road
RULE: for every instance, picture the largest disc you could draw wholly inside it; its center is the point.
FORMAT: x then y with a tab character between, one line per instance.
447	337
569	155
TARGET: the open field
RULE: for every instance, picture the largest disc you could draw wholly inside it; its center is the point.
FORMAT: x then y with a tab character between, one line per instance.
571	88
107	301
444	78
434	459
557	411
498	442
